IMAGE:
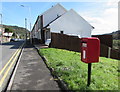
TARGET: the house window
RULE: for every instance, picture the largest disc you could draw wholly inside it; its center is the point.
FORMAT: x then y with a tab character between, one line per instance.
39	33
39	24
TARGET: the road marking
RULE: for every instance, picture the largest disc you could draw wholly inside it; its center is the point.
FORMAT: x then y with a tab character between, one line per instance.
16	54
9	61
13	75
6	73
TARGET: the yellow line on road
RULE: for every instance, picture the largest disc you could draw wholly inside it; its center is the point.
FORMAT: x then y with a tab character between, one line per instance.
6	73
9	61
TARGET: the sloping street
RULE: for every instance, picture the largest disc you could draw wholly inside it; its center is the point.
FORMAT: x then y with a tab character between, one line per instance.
7	50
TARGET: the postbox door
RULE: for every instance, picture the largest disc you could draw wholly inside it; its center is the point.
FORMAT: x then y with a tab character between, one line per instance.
93	50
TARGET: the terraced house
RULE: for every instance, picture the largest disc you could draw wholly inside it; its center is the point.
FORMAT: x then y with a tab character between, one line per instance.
59	20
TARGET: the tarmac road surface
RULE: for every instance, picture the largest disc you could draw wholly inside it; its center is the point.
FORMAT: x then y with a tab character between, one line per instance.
8	57
7	50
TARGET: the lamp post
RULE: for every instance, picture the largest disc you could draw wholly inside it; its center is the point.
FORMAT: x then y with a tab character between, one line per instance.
1	18
26	28
1	28
29	9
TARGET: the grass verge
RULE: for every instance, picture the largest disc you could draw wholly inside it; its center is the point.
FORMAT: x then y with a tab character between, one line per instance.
69	68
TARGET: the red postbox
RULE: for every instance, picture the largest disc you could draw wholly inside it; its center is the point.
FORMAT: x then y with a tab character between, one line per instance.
90	49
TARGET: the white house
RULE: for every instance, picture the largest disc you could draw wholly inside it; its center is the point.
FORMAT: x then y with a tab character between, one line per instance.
58	19
71	23
45	19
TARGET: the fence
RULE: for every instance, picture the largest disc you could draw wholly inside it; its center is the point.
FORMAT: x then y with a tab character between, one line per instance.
72	43
63	41
109	52
105	39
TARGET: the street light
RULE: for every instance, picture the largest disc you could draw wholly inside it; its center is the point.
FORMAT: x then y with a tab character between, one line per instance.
1	28
1	18
29	9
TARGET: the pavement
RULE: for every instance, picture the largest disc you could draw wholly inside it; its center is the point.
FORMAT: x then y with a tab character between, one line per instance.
32	73
40	46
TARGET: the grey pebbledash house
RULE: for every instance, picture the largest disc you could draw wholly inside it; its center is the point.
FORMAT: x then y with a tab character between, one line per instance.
57	19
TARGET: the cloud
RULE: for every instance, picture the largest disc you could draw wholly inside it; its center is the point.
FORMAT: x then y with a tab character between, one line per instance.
112	3
54	0
105	21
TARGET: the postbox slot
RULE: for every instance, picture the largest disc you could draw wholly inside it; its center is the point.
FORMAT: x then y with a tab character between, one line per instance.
84	44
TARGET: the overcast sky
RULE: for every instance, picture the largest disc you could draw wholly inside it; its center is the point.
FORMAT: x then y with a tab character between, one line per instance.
102	15
104	19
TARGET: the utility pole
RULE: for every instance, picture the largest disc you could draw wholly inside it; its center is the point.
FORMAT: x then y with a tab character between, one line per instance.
29	9
30	37
1	18
1	28
26	27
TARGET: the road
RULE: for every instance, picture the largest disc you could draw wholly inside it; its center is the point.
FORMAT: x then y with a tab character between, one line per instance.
7	50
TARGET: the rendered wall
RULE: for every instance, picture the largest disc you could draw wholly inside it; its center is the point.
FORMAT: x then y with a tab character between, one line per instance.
52	14
72	23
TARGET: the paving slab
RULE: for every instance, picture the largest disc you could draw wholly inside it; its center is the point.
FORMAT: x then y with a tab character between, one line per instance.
32	73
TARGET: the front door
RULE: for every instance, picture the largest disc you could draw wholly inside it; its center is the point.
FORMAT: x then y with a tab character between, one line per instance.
47	34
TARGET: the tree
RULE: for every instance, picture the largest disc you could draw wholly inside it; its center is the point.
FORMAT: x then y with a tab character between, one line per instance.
13	35
8	30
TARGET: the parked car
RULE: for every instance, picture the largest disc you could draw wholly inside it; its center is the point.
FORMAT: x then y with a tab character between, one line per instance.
13	39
